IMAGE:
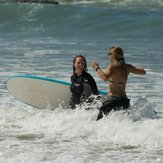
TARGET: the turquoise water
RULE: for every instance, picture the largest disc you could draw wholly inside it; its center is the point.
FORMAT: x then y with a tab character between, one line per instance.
41	39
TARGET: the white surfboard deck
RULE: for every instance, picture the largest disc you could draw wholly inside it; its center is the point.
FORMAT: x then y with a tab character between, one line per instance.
40	92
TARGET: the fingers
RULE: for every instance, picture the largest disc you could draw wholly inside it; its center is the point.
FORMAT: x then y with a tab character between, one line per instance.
94	65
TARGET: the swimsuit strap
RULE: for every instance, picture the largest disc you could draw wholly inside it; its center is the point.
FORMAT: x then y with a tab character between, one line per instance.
111	81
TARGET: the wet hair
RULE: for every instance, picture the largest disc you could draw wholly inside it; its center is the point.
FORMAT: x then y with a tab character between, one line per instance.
85	63
118	55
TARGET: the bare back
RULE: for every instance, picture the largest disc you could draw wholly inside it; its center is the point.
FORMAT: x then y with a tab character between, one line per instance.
119	76
118	80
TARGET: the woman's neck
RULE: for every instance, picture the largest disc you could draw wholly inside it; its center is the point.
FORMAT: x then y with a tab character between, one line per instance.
78	73
115	62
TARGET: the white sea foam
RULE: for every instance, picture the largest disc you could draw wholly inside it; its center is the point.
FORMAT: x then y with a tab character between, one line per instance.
36	133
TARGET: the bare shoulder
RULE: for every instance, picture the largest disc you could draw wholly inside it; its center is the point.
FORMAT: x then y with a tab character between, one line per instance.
110	66
129	67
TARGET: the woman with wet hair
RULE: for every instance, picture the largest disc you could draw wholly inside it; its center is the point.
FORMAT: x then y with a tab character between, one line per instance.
117	74
83	85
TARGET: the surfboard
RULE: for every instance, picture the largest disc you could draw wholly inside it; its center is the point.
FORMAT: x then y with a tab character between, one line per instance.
41	92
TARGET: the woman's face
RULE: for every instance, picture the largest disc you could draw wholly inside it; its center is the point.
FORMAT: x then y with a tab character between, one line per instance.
79	64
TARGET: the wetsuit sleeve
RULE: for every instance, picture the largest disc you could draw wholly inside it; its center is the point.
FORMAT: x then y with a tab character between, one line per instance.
93	85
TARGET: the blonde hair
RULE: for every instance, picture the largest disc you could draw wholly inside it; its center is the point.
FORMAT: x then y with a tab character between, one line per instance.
117	53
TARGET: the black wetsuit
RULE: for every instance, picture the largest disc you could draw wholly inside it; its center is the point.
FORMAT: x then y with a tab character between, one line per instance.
113	103
82	87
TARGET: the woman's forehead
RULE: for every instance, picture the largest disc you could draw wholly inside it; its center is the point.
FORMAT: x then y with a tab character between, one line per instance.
79	59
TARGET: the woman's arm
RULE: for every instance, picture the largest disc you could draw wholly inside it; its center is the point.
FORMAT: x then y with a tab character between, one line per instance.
104	76
136	70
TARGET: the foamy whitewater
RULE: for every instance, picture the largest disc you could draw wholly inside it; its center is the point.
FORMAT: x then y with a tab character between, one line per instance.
42	39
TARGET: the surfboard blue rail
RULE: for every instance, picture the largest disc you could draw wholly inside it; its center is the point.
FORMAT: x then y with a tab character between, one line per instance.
103	92
42	78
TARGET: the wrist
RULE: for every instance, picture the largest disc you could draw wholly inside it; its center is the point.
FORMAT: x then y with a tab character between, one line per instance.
97	68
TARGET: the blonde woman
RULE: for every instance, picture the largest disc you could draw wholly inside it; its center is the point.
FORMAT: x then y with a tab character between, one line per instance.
116	74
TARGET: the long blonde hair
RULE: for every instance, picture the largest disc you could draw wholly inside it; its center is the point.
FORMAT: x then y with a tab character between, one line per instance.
118	55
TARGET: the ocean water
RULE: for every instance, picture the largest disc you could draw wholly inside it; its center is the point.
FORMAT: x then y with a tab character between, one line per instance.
42	39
